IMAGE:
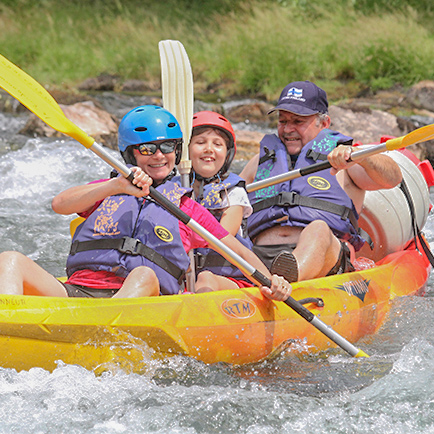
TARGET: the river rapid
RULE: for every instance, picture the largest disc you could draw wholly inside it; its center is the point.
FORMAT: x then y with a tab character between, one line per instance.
391	392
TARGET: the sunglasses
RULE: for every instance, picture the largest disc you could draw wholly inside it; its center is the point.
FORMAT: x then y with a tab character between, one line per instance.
165	146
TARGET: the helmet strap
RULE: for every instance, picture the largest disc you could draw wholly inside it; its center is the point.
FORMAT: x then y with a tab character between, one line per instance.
206	180
167	178
203	181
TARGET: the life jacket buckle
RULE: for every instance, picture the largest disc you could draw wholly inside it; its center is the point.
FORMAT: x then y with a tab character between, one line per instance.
129	246
286	198
199	260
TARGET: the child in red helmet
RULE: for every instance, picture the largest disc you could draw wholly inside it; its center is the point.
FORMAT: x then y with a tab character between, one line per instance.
212	149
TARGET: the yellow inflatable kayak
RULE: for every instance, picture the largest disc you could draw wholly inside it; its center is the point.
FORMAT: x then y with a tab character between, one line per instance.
234	326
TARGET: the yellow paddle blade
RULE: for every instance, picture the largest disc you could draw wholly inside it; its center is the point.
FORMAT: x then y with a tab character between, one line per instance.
417	136
361	353
32	95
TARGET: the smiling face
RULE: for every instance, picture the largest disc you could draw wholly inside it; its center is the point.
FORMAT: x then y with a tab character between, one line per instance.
208	152
158	166
296	131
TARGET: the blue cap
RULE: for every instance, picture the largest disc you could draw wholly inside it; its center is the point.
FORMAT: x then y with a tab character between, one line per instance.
303	98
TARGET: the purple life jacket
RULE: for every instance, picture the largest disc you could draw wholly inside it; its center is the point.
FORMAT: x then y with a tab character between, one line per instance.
126	232
208	259
298	202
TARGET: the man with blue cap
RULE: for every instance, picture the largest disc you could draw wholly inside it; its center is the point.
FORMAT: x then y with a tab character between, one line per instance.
307	227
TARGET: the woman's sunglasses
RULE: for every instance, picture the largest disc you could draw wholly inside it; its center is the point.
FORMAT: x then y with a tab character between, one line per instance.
166	147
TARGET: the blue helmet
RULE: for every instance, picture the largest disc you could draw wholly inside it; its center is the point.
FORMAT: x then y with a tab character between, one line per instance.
147	123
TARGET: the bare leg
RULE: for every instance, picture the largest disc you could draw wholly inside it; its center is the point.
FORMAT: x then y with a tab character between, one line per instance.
20	275
317	250
207	281
141	282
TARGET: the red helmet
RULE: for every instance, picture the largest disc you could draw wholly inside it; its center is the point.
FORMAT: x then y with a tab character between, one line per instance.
216	120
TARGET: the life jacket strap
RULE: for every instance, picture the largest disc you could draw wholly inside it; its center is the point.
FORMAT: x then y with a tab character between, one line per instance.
315	156
130	246
290	198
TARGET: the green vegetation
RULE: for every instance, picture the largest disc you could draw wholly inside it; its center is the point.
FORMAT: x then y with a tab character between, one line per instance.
235	47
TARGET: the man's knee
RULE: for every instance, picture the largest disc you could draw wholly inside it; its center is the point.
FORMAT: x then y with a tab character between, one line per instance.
319	225
317	233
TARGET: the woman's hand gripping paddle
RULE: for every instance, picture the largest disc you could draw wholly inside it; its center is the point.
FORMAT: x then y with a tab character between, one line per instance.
30	93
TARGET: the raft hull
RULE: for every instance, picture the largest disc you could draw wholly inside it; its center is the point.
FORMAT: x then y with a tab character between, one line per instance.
233	326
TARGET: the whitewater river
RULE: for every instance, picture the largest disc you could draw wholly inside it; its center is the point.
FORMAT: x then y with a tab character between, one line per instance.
391	392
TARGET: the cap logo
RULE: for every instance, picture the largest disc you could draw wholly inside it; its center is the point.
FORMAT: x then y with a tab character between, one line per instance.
295	93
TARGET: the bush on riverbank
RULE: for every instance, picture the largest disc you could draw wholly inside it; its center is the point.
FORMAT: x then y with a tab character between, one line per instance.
236	47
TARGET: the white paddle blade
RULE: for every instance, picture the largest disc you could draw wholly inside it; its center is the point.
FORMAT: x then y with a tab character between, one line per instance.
177	86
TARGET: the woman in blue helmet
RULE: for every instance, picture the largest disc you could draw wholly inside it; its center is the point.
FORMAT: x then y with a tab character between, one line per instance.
128	246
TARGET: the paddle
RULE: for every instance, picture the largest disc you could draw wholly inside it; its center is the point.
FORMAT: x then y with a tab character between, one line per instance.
417	136
30	93
178	98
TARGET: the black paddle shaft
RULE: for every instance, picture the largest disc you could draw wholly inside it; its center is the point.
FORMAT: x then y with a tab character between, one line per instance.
314	168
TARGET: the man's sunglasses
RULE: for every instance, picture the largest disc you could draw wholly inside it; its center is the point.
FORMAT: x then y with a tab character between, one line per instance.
165	146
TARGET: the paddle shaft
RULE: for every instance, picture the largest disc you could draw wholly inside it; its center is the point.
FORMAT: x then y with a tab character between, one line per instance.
317	167
255	276
420	135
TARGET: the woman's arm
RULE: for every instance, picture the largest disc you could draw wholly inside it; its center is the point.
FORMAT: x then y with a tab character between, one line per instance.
280	289
82	198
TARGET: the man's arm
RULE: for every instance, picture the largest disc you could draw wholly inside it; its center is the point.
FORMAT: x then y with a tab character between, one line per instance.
370	173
